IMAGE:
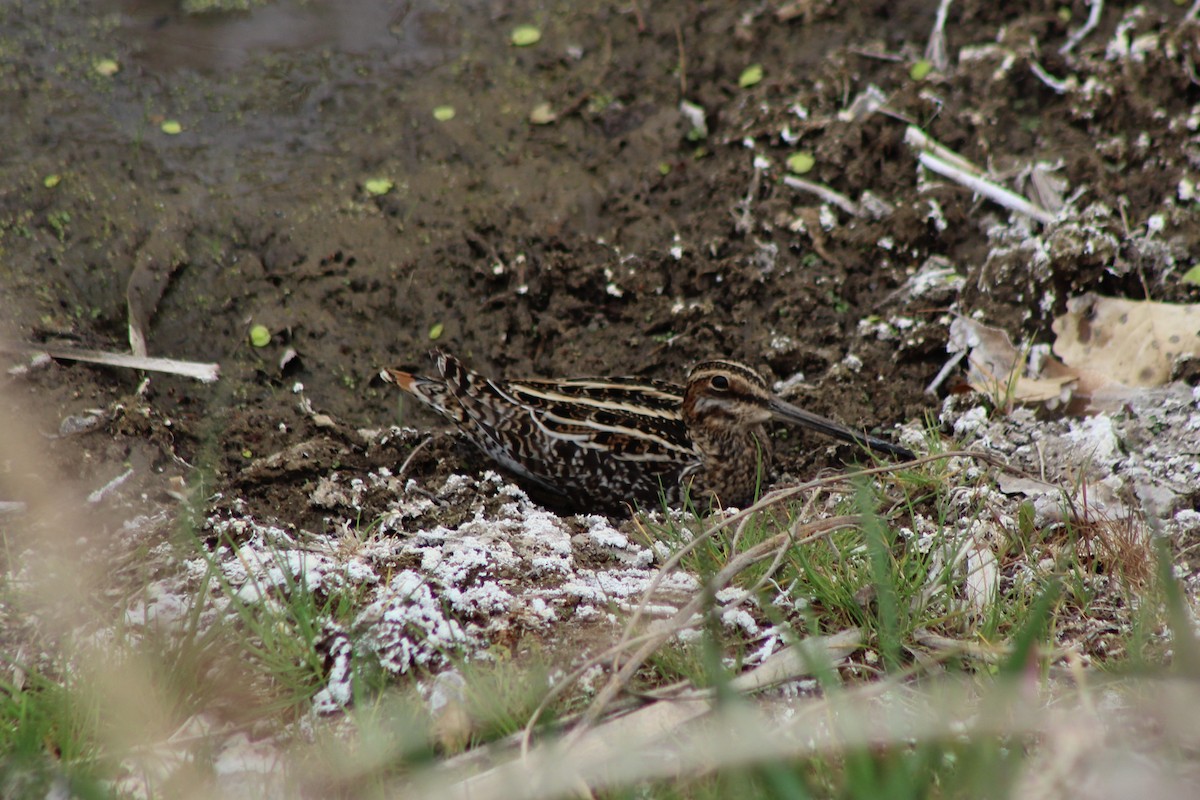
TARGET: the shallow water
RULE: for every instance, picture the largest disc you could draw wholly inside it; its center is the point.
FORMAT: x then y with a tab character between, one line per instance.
410	35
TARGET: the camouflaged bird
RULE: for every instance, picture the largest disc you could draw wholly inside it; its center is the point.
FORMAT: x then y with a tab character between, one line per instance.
604	443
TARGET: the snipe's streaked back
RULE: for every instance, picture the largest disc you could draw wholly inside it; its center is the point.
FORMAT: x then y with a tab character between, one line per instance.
602	443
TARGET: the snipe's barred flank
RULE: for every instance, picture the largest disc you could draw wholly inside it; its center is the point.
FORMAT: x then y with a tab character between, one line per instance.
601	443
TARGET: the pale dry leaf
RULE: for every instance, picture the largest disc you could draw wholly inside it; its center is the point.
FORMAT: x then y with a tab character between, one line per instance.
1029	487
996	366
1045	188
1128	342
982	576
800	660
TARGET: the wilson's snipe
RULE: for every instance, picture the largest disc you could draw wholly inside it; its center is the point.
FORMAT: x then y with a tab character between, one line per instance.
600	443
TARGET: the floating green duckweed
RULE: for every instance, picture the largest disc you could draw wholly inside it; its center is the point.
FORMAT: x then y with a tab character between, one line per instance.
920	70
525	35
378	186
750	76
106	67
801	162
542	114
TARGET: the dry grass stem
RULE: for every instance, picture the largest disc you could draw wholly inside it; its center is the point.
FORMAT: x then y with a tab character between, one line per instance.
935	51
825	193
201	371
1096	8
938	158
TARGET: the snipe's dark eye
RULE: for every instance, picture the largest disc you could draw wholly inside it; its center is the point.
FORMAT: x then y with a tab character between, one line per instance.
719	382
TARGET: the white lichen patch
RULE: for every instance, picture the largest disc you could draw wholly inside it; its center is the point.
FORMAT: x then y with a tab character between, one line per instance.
407	626
161	605
1100	462
431	585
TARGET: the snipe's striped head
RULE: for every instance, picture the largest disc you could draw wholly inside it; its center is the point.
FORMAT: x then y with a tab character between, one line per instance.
726	394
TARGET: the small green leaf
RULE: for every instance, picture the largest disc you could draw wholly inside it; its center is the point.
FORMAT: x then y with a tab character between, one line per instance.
1064	14
750	76
920	70
443	113
664	168
106	67
172	127
435	332
50	181
801	162
525	35
1192	275
542	114
247	453
378	186
260	336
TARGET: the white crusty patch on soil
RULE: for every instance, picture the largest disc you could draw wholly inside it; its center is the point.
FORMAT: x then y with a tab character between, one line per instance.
439	574
1147	455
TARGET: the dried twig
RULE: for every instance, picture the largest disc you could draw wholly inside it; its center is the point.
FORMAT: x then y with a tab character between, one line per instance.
400	473
935	51
944	161
944	372
992	191
688	737
1095	10
639	17
1059	85
201	371
108	488
825	193
651	640
743	219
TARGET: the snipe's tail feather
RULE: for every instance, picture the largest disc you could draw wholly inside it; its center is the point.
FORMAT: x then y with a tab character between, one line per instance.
404	380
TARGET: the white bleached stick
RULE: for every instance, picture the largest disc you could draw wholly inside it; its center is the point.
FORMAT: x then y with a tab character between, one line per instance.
917	139
825	193
992	191
935	51
201	371
945	162
1096	8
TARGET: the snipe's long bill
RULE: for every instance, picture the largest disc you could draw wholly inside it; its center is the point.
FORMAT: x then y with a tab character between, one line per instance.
605	443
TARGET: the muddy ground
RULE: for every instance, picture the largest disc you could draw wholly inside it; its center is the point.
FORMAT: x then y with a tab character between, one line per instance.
607	242
616	239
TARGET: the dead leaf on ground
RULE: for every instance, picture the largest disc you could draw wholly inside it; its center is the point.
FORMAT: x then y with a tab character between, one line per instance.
981	579
1110	349
1134	343
996	367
